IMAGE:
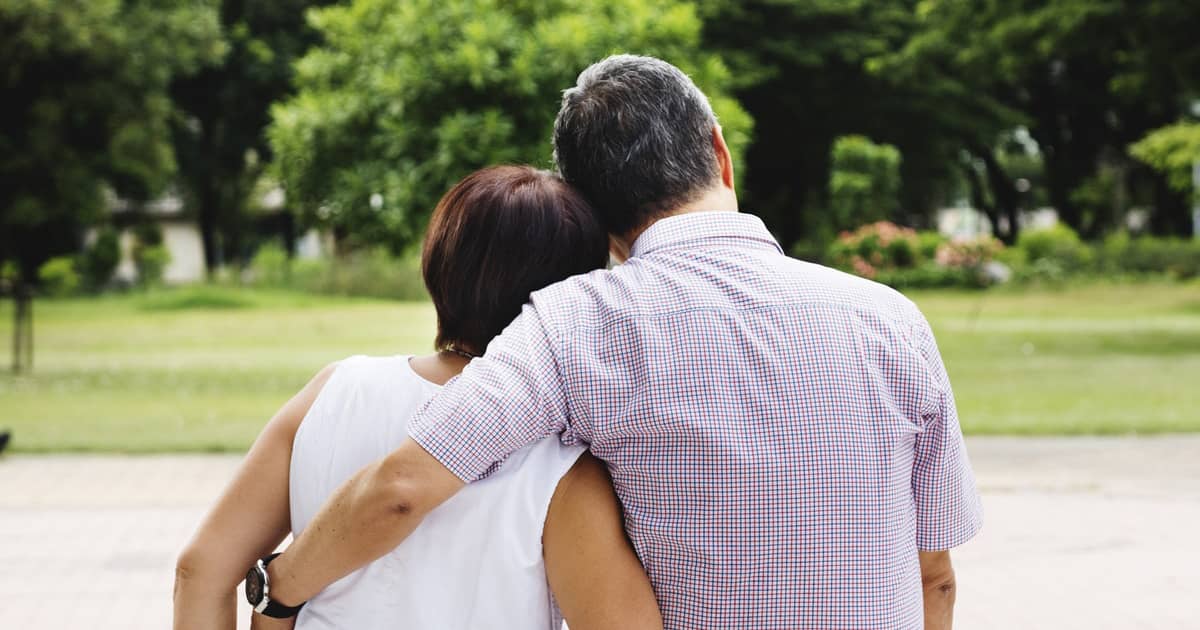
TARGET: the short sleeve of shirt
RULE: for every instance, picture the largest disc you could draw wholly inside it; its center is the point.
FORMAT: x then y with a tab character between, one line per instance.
949	511
511	397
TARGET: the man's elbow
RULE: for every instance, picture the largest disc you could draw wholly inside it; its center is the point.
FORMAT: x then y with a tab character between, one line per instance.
409	483
937	573
396	489
943	584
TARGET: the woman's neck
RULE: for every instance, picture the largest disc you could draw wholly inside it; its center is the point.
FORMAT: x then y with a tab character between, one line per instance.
439	367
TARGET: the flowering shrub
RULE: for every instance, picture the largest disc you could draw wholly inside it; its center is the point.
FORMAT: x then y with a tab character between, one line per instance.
968	253
876	247
901	257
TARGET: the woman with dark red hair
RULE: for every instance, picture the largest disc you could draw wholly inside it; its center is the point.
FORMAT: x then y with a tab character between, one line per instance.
542	534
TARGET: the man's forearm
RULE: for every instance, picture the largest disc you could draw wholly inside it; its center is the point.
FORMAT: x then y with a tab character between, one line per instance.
367	517
939	606
940	586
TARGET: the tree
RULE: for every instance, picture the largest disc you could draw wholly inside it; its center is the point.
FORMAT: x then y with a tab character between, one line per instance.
864	182
403	99
219	138
1173	151
84	110
803	72
1085	78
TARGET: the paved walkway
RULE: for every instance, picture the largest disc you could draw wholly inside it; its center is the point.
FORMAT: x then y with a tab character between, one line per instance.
1081	533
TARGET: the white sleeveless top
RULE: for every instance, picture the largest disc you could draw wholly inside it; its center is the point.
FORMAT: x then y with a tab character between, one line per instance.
475	562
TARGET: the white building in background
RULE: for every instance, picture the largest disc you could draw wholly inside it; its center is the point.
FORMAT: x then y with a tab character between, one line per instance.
181	238
967	222
184	242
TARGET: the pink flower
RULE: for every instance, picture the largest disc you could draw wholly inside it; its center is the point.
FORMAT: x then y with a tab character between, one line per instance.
862	267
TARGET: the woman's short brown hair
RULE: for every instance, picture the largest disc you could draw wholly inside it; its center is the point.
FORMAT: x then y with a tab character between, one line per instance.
498	235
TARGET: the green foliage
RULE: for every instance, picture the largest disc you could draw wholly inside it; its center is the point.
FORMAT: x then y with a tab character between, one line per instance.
86	108
1085	78
864	181
1179	258
370	272
270	266
404	98
58	276
876	247
802	71
1173	150
903	258
1059	246
928	243
220	139
148	233
150	256
930	276
99	261
151	261
9	273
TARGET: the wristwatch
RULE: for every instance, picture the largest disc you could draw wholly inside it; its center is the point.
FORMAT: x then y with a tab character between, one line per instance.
258	592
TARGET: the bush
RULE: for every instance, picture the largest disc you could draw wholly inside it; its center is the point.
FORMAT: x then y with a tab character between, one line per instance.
864	181
928	243
1178	258
370	273
151	262
1059	245
903	258
270	266
974	260
876	247
59	276
365	273
148	233
99	262
9	274
929	276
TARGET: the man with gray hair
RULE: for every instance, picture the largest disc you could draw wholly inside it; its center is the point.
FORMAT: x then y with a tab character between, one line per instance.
782	436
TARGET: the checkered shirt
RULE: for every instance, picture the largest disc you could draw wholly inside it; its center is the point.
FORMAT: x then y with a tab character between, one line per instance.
782	436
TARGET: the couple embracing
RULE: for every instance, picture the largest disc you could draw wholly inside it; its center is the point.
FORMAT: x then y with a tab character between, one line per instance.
710	434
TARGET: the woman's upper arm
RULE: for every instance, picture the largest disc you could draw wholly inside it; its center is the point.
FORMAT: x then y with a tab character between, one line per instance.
593	571
252	515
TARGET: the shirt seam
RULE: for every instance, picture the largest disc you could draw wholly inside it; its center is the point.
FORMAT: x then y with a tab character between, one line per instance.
574	421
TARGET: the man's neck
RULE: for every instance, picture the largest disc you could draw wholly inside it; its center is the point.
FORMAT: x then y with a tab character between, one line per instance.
718	199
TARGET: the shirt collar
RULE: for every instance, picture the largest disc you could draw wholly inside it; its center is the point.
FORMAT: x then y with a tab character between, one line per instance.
702	228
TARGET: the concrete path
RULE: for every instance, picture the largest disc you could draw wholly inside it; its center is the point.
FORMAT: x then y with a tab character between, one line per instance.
1085	533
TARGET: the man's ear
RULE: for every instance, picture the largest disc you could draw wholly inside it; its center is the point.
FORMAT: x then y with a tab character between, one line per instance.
724	159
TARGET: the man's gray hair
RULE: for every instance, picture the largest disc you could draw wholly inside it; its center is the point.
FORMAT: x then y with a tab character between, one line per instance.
635	136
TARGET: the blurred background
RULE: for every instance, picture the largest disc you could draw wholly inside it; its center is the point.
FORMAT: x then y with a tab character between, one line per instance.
203	202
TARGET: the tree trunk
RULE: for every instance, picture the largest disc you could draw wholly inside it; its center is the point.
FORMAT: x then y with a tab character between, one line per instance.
22	352
208	231
978	196
1171	215
1004	194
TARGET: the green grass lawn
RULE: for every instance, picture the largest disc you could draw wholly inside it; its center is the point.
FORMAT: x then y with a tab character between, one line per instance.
201	369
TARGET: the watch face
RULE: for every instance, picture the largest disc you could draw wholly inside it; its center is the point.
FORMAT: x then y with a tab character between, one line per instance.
254	586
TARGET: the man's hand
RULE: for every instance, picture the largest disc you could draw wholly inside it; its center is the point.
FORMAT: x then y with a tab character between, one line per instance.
366	518
940	587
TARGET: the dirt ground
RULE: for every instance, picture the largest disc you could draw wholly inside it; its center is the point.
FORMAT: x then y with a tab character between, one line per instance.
1084	533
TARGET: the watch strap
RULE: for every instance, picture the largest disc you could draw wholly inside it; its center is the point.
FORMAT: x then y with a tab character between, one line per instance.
279	611
276	609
